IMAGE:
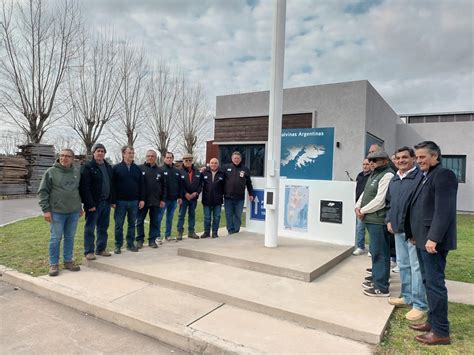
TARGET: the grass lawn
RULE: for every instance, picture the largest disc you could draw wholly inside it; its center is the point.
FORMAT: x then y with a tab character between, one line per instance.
24	247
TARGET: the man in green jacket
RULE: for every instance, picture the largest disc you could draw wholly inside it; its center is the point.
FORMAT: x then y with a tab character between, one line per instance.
61	205
371	209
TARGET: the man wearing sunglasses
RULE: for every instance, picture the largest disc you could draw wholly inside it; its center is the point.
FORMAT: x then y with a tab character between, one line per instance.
370	208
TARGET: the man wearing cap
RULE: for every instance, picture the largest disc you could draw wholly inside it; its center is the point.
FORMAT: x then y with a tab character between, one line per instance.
237	178
95	187
155	192
191	185
370	208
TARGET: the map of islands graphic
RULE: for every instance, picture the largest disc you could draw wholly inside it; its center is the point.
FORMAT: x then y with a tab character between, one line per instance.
301	156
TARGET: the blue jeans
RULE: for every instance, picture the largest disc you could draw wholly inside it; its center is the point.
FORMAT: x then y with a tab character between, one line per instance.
170	207
233	214
129	208
380	250
155	223
62	224
432	268
215	213
98	219
360	233
189	206
412	289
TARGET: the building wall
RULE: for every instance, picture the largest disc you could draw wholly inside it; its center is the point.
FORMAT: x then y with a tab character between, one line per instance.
454	138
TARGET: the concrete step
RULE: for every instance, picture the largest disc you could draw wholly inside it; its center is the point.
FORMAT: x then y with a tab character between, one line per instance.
333	303
189	322
297	259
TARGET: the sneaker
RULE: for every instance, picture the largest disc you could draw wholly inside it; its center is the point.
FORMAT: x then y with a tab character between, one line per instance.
167	239
53	270
152	244
367	284
117	250
69	265
160	242
368	278
369	255
139	244
193	235
415	314
132	248
396	269
104	253
180	236
397	302
90	256
375	292
369	271
215	235
205	235
358	251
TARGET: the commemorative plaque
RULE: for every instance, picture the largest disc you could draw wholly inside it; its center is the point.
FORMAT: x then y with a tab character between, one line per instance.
331	211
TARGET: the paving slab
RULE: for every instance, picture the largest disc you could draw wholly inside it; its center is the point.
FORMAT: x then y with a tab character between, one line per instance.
17	209
297	259
333	303
260	331
460	292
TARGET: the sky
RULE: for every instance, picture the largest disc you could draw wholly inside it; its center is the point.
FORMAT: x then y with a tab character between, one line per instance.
419	55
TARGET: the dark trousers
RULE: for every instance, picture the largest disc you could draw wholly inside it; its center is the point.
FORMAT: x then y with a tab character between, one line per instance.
212	213
122	209
189	206
97	220
432	268
380	250
155	223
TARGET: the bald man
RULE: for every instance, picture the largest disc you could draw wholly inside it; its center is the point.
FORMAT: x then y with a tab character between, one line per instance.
212	180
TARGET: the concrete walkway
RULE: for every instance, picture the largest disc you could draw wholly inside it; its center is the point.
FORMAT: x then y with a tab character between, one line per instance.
31	324
18	209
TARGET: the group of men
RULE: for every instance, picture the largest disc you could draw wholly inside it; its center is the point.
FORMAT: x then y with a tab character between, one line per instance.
135	192
416	205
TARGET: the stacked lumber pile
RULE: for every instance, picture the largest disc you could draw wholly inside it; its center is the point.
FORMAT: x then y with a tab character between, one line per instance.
40	157
13	171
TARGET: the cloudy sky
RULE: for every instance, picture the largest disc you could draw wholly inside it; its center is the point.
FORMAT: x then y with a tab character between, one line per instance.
417	54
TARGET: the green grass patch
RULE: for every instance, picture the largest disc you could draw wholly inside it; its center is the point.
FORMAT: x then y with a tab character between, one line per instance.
24	244
460	263
400	339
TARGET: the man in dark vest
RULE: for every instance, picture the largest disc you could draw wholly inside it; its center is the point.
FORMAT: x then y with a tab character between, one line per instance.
431	226
371	209
95	188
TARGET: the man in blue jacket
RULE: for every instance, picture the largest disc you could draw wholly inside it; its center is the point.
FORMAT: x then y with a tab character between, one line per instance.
95	189
400	191
127	198
212	181
432	226
191	185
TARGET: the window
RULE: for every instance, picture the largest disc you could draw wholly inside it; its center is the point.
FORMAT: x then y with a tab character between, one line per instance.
253	156
457	164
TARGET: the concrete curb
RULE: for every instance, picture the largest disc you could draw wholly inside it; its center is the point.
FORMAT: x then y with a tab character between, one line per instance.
190	340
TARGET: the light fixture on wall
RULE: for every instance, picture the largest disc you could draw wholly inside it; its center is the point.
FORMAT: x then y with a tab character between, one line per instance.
338	144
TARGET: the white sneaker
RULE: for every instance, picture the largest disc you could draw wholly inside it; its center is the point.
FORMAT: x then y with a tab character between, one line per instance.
369	255
358	251
396	269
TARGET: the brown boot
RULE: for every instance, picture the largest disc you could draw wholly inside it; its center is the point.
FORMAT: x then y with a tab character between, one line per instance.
69	265
53	270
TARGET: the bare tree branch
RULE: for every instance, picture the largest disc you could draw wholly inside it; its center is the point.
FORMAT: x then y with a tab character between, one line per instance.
39	43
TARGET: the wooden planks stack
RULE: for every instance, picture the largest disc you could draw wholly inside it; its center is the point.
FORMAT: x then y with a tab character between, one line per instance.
40	157
13	171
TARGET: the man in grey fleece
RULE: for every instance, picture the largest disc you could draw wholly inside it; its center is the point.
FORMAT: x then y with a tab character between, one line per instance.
61	205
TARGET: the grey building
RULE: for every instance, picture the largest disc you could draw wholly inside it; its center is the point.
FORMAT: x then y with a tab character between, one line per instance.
360	117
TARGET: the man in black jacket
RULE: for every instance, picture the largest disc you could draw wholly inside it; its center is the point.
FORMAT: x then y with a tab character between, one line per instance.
431	224
191	183
173	195
237	177
361	179
128	196
95	188
212	181
155	192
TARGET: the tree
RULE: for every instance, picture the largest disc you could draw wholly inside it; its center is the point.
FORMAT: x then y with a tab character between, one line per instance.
193	116
133	71
163	106
94	90
38	46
